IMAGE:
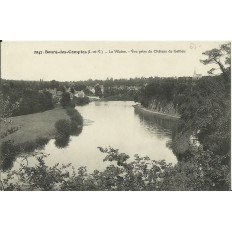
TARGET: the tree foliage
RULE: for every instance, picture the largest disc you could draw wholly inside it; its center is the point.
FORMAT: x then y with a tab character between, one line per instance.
221	57
202	172
28	100
65	100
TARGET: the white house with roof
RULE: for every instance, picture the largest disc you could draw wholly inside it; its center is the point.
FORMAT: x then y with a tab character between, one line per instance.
80	94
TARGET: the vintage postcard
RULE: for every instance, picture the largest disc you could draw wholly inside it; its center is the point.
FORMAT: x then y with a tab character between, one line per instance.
115	116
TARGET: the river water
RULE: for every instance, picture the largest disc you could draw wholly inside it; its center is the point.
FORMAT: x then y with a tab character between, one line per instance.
114	124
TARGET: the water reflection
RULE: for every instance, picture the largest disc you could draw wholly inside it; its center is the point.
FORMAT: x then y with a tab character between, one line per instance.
8	162
179	138
77	131
11	151
163	127
62	141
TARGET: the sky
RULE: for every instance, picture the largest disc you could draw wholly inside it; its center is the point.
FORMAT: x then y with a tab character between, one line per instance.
23	61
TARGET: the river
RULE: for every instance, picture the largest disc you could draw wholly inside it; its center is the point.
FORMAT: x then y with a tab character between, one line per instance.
114	124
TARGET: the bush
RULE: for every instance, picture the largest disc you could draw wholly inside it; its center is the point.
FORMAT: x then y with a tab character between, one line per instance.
61	141
8	154
63	127
41	142
75	115
77	118
81	101
29	146
73	127
33	102
65	100
203	171
70	111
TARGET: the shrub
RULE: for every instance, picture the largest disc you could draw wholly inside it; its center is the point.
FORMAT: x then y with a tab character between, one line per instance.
41	142
63	127
73	127
65	100
70	110
8	154
29	146
81	101
61	141
74	115
77	118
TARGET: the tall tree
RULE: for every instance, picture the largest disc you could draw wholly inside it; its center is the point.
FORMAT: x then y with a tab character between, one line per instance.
221	57
65	100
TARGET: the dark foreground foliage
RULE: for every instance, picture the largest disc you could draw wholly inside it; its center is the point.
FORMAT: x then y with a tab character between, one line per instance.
202	172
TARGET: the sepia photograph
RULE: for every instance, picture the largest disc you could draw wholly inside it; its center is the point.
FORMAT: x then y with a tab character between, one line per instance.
115	116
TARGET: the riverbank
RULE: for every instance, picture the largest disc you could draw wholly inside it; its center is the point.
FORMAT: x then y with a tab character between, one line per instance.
141	109
33	131
33	126
118	98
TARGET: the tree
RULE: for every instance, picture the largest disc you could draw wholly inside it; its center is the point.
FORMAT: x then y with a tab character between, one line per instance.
63	127
221	57
6	109
98	91
72	90
65	100
54	84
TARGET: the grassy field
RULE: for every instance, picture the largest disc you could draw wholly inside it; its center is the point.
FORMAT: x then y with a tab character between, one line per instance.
32	126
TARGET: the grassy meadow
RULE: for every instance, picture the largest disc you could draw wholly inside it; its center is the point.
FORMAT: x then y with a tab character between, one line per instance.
33	126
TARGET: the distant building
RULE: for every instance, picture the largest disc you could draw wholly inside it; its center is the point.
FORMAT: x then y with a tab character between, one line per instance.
80	94
196	76
91	89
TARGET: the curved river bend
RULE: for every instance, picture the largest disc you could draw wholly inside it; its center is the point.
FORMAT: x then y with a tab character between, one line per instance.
114	124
